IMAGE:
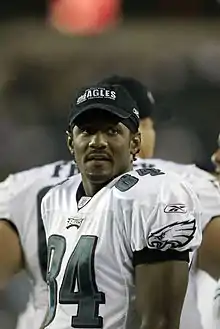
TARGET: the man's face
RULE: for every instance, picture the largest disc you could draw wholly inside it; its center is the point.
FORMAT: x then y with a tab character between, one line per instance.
216	157
103	147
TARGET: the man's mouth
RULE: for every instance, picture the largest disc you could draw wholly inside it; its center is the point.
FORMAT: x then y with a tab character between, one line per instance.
98	157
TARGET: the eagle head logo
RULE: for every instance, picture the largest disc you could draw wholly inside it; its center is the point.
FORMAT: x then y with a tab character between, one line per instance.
173	236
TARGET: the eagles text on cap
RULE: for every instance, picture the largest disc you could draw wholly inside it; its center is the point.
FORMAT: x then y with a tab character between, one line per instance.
96	93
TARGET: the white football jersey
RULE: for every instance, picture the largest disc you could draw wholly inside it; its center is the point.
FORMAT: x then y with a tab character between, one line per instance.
20	199
205	185
93	244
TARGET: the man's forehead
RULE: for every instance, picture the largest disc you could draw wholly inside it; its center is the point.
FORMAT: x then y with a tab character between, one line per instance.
97	116
101	125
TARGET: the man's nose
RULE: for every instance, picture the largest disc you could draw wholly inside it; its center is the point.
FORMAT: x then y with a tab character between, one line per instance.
98	141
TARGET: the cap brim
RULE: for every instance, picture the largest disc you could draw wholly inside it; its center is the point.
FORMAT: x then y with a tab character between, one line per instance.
122	114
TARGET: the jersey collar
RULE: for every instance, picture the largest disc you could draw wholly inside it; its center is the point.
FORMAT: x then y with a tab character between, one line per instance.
81	198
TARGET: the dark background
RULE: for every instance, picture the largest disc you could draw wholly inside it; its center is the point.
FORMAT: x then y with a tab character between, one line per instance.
202	8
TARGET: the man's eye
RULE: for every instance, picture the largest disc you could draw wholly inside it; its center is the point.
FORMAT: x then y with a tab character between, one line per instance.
113	131
86	131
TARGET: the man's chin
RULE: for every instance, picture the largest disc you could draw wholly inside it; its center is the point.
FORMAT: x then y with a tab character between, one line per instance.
99	177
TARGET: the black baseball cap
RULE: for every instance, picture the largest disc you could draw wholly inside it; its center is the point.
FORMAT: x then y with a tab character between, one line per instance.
111	98
137	90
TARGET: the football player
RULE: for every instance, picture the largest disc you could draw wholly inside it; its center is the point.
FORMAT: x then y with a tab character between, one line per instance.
22	236
21	231
206	186
216	161
216	158
118	240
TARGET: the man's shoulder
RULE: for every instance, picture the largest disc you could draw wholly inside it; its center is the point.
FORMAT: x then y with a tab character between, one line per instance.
167	165
64	187
144	182
185	170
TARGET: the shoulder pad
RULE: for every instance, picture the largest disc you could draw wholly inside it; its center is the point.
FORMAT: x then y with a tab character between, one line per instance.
126	182
149	171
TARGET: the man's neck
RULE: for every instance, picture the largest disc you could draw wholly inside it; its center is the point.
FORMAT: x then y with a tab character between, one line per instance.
91	188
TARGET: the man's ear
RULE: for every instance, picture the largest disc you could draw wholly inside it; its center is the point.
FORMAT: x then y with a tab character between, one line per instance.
135	143
69	141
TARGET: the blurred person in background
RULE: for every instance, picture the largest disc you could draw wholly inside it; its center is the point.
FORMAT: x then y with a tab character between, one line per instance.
206	186
206	283
216	161
216	158
22	236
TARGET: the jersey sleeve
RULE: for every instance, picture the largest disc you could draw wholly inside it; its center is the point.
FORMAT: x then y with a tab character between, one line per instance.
6	195
169	220
207	188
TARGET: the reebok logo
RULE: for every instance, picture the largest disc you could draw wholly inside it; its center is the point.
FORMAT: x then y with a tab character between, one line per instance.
175	208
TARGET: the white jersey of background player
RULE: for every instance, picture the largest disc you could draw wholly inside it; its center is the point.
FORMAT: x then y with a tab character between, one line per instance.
96	243
20	198
216	161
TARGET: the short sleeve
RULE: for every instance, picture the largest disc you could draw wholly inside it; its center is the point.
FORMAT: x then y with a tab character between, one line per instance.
170	220
207	189
6	189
